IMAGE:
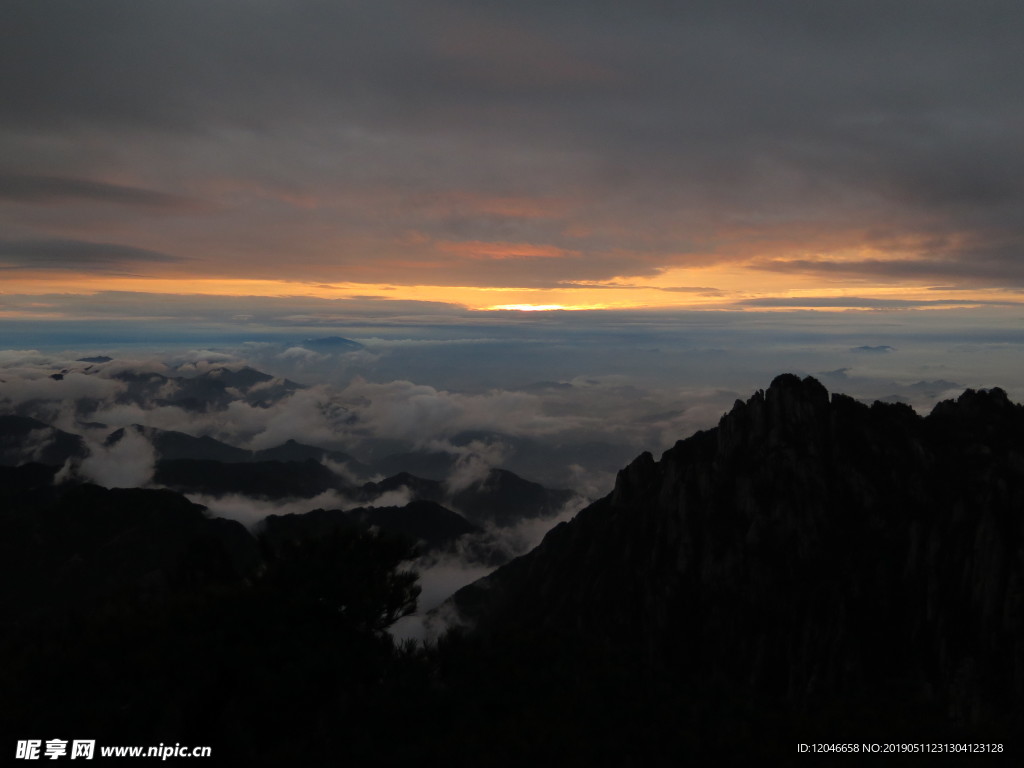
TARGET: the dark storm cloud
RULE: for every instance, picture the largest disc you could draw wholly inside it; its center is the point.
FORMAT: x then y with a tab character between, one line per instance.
45	189
641	80
997	266
183	66
860	302
654	134
77	255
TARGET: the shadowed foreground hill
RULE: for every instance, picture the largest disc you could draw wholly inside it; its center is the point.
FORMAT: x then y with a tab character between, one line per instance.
813	568
131	617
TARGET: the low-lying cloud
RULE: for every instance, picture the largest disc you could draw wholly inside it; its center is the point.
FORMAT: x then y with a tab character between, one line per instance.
250	511
440	576
565	400
558	402
128	463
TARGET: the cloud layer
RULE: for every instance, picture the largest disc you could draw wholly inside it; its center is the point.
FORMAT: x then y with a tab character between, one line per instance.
565	399
528	144
576	400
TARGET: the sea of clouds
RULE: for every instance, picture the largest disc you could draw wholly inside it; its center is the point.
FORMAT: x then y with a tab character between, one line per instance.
566	407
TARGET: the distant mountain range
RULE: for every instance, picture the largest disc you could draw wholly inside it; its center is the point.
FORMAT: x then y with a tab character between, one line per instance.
212	468
332	344
211	390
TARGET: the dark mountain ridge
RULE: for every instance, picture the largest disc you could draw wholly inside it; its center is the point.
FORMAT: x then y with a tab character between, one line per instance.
332	344
813	562
24	439
424	522
211	390
498	497
256	479
171	445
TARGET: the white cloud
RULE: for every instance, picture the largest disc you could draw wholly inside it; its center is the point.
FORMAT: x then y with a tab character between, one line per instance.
440	577
37	441
397	497
128	463
421	413
250	512
475	461
301	355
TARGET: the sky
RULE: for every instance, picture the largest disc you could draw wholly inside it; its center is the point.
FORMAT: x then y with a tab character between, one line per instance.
583	155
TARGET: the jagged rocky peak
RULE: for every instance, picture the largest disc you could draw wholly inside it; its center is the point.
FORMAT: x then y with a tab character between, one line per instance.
808	550
791	398
982	405
791	410
788	406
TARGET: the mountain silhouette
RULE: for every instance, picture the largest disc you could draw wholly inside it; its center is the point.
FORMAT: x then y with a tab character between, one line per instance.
24	439
332	344
258	479
211	390
811	570
425	522
498	497
291	450
172	445
812	564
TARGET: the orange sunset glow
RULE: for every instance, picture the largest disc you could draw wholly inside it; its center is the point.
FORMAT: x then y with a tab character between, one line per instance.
713	287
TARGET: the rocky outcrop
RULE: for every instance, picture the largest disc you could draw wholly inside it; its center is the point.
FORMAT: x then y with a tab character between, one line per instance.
810	551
